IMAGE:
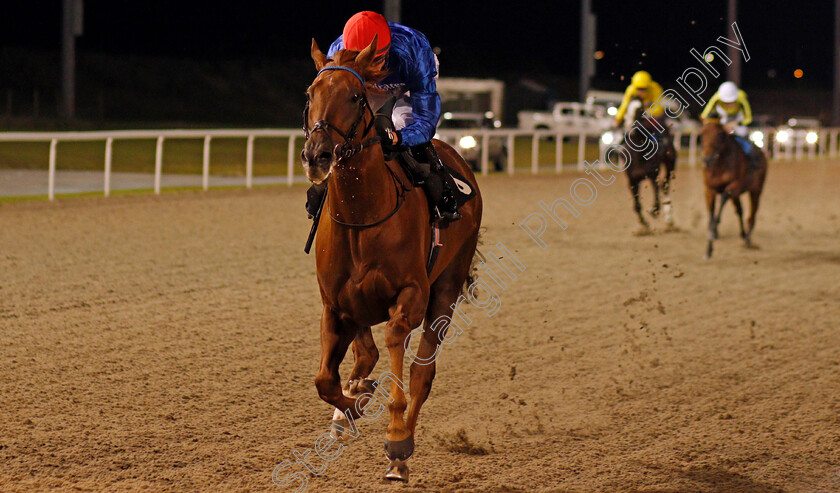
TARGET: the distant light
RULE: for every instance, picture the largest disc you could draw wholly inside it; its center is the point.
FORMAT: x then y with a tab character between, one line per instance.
798	73
710	57
497	124
782	136
489	115
792	122
607	138
447	115
612	111
757	136
811	137
599	55
467	142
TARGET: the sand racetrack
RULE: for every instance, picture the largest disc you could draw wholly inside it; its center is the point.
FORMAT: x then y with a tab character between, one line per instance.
170	344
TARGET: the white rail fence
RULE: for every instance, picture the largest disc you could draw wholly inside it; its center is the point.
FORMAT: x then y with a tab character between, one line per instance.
795	147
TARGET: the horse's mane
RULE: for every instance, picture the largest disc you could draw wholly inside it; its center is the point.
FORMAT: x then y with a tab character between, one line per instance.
373	74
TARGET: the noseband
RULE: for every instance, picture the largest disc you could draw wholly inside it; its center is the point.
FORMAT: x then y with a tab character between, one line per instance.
346	149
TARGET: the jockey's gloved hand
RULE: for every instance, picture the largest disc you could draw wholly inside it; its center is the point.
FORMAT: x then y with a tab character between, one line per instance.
392	141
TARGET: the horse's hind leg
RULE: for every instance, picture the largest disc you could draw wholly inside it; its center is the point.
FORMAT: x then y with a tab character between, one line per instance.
406	314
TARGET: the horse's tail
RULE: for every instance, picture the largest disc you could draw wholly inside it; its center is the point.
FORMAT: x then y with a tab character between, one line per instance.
478	257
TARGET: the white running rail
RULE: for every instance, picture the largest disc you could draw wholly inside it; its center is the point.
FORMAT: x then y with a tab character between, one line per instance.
796	147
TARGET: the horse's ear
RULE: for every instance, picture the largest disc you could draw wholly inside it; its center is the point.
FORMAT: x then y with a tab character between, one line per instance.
365	60
317	56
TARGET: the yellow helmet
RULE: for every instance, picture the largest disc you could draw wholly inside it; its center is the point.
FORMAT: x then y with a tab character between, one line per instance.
641	79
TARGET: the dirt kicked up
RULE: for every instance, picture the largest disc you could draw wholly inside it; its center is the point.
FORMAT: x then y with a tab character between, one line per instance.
170	344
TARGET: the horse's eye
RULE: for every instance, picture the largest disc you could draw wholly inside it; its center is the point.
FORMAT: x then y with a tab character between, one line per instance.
356	98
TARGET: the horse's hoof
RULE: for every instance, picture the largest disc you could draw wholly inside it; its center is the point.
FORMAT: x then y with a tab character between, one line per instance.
397	471
367	385
400	450
360	386
643	231
654	212
339	423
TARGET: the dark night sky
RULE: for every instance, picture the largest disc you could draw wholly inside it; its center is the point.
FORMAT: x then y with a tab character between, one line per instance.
476	37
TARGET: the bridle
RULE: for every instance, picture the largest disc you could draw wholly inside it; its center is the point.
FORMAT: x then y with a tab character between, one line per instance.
346	149
719	148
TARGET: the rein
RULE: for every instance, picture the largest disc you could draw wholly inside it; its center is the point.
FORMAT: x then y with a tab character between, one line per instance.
400	189
347	149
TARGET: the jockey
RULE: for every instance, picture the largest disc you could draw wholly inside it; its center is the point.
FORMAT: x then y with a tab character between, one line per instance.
643	87
409	97
733	109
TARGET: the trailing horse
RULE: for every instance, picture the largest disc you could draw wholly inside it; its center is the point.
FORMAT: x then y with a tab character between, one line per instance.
373	249
728	173
646	166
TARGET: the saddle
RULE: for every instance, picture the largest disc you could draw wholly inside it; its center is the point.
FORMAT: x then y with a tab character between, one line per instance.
419	169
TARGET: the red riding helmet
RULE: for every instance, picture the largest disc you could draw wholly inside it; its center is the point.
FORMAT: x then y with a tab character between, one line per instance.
362	27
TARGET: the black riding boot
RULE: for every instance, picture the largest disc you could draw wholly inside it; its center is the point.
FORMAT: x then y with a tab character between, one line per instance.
314	196
446	206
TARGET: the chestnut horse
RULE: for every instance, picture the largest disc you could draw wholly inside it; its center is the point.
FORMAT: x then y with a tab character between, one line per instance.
643	166
728	173
373	243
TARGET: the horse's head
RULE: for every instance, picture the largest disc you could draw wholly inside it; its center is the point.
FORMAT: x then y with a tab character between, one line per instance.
336	107
712	137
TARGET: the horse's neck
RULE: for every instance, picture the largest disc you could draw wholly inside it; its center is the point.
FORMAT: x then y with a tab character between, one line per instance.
361	190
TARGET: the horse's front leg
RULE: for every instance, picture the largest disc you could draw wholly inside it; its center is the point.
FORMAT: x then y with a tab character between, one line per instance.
666	202
336	336
405	315
637	205
736	201
715	220
365	356
711	197
655	211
